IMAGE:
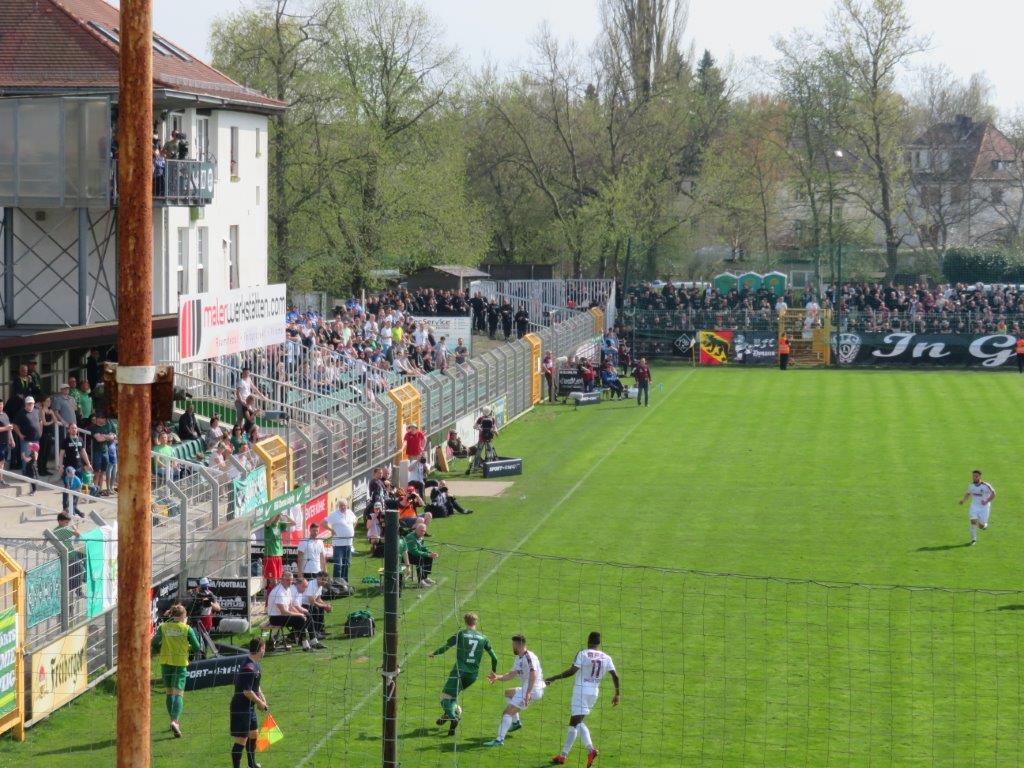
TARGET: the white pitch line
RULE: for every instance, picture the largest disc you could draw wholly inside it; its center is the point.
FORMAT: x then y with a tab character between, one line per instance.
373	692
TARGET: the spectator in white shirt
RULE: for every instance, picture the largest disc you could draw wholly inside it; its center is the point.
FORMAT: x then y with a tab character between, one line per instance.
418	473
312	555
342	526
313	601
284	611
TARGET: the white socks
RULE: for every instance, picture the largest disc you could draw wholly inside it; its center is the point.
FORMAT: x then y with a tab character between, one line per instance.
506	723
974	532
570	739
584	733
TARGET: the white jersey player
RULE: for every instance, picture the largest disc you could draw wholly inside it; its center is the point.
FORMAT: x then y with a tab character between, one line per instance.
981	495
589	669
531	688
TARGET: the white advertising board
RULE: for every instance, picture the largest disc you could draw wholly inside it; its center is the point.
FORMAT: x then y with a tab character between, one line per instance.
215	324
453	328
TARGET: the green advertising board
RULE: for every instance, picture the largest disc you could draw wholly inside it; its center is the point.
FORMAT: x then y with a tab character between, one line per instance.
8	661
42	593
282	503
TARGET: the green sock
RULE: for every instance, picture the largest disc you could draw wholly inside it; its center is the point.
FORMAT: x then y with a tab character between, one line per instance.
448	705
177	707
169	703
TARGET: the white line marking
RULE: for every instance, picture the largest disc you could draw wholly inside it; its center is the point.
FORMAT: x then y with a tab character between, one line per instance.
373	692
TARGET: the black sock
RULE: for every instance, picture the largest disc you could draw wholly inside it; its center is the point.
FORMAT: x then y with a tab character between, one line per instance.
250	752
236	754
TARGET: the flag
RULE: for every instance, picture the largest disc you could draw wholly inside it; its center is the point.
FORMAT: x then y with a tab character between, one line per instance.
100	569
270	733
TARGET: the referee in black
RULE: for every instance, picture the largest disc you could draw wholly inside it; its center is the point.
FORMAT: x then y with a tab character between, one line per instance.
248	696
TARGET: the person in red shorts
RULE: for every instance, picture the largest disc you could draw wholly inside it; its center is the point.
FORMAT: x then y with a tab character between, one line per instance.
415	441
273	548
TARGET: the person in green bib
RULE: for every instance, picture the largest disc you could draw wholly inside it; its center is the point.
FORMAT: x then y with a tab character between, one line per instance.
172	640
470	646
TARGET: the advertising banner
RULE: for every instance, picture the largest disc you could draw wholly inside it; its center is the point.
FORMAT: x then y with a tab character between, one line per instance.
313	511
42	593
290	503
250	492
209	673
715	347
60	672
226	322
232	595
453	328
343	491
992	351
8	661
754	348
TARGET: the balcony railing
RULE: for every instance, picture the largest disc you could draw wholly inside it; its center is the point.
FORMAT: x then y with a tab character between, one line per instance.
184	183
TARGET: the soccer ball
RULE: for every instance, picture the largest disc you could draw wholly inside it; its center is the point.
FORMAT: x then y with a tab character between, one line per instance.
458	710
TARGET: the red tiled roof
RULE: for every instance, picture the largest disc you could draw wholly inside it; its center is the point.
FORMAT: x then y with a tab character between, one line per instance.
974	149
55	44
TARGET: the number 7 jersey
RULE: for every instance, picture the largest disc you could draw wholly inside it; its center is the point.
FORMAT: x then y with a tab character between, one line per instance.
592	666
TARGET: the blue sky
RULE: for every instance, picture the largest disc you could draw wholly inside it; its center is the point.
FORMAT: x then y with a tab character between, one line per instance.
982	35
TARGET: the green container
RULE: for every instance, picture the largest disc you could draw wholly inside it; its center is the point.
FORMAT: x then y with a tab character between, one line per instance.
751	281
775	282
724	282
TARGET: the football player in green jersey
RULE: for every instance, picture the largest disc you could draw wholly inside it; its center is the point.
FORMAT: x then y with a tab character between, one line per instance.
470	646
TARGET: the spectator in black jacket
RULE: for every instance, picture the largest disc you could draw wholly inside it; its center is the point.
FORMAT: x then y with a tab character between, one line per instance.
188	427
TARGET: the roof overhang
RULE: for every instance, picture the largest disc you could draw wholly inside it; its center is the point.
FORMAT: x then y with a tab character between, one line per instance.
92	335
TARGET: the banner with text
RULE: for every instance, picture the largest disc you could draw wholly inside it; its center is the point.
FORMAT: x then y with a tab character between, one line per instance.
992	351
715	347
453	328
8	661
226	322
754	348
60	672
250	491
42	593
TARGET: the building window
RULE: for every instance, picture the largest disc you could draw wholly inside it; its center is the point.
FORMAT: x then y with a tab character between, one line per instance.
182	260
202	256
202	142
997	195
956	195
233	256
259	143
234	152
931	197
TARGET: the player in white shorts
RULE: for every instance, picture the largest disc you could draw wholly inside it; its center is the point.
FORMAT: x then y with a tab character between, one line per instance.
589	667
531	688
981	495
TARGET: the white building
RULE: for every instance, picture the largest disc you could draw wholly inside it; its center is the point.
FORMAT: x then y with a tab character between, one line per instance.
58	115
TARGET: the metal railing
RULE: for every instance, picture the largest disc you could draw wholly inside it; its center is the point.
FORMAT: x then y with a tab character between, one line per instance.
550	302
333	440
184	183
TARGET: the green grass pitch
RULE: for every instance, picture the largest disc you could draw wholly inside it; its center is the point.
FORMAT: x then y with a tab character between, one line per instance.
834	484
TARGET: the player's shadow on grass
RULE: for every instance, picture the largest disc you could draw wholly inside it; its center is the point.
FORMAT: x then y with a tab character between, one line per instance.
451	745
1011	607
943	547
66	748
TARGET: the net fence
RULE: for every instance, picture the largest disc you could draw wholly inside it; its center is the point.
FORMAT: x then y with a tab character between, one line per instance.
716	670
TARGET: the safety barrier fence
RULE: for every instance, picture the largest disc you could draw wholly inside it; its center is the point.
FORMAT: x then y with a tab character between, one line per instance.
550	302
333	442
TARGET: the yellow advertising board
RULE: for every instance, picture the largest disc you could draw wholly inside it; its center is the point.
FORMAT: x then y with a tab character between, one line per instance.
60	672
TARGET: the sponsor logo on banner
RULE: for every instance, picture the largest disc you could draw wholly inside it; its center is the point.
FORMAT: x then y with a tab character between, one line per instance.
715	347
60	672
343	491
453	328
226	322
210	673
990	351
684	343
8	661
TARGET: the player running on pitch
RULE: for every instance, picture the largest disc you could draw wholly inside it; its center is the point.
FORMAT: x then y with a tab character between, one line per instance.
981	495
589	667
531	688
470	646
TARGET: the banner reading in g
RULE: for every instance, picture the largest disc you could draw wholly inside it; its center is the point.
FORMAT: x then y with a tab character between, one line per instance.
715	347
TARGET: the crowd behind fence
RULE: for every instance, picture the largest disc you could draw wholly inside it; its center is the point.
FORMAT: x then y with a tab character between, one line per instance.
334	439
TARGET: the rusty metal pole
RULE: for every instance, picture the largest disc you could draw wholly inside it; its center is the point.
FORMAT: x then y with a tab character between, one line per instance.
135	374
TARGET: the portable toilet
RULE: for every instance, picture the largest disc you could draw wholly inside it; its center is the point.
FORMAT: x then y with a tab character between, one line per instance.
750	281
775	282
724	282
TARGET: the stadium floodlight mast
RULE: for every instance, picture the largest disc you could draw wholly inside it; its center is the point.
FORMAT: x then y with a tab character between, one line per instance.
135	376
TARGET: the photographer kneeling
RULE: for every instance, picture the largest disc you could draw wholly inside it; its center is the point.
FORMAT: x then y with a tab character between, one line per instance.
443	504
